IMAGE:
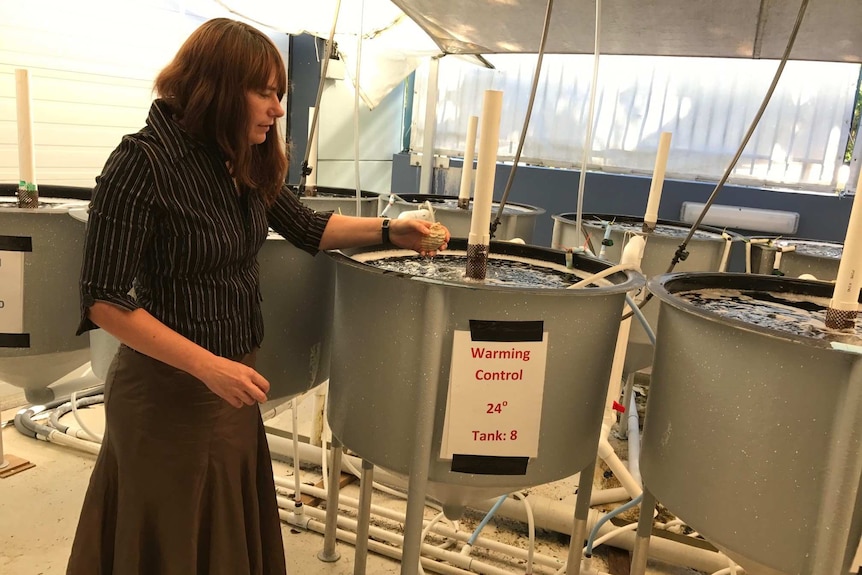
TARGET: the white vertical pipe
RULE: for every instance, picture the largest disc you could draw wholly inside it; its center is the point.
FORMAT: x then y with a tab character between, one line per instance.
841	312
313	141
486	167
363	518
26	149
329	553
467	170
427	169
651	214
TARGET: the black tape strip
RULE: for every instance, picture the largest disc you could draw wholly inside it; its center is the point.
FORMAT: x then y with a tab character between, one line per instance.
489	464
14	340
16	244
481	330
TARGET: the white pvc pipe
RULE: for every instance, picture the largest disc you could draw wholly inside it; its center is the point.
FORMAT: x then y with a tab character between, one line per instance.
431	551
634	442
376	546
619	469
467	169
728	243
651	214
603	274
846	294
486	168
26	149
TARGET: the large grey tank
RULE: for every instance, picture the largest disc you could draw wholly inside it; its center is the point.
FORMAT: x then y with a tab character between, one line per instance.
340	201
706	251
297	291
396	336
798	256
518	220
752	430
40	309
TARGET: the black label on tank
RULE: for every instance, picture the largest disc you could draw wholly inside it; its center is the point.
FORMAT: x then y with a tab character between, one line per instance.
482	330
14	340
16	244
489	464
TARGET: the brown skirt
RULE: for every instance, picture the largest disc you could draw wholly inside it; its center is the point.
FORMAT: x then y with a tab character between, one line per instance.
183	482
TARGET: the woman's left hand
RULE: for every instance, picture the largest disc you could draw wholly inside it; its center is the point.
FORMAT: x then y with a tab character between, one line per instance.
414	235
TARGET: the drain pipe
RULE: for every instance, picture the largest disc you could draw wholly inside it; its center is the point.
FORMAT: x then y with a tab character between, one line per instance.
631	258
728	243
748	244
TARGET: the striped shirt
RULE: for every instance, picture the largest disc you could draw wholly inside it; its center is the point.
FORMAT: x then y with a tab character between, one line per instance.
166	220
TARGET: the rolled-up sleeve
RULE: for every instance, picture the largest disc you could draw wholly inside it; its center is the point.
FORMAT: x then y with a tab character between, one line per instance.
119	228
296	222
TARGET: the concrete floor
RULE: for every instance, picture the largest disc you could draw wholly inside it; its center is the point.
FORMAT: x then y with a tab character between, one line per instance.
39	509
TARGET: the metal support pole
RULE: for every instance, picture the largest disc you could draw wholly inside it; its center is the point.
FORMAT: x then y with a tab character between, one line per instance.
363	519
582	512
329	554
434	319
641	547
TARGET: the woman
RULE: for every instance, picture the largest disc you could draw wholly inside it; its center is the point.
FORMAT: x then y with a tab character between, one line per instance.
183	483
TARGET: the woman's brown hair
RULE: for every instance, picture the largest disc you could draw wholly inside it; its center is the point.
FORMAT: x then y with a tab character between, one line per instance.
205	86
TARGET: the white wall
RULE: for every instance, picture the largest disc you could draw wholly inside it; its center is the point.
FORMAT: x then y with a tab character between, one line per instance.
379	139
92	65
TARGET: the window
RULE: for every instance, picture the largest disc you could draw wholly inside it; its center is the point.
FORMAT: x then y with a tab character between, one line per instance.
706	103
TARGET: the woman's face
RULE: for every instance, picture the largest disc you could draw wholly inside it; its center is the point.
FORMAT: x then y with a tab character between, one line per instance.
264	107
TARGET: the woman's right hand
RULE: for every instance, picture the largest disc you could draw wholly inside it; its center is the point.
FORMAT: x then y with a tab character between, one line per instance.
235	382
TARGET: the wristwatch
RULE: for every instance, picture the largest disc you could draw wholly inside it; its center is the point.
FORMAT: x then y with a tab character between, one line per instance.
384	230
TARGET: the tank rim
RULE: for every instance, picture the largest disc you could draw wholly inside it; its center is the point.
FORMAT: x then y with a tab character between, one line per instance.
625	280
665	286
660	221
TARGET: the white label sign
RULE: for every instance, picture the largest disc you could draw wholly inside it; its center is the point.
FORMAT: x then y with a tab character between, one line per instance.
494	405
11	292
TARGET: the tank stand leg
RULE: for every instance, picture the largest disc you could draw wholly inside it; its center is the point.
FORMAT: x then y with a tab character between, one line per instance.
641	547
363	519
434	317
582	512
329	554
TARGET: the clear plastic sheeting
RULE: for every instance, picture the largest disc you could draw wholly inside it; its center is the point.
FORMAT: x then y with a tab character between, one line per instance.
730	29
706	103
